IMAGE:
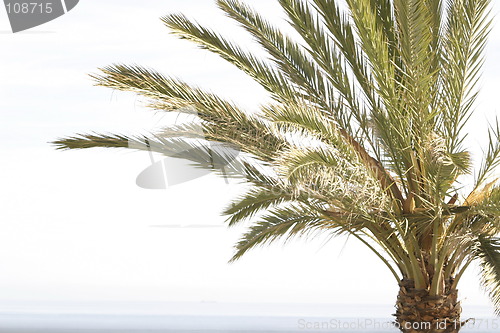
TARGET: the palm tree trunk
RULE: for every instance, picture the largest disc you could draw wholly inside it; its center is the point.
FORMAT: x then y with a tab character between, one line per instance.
417	311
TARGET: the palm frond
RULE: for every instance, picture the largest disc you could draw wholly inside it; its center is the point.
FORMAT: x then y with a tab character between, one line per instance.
464	41
282	222
253	201
270	78
488	252
225	122
417	64
221	158
322	49
84	141
287	54
375	45
343	35
261	197
491	159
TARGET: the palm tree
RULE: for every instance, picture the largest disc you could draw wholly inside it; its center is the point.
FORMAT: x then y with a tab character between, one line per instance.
364	137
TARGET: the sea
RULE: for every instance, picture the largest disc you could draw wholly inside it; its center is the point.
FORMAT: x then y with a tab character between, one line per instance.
197	317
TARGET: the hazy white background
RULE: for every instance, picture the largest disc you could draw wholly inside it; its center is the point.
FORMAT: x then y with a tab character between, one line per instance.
74	227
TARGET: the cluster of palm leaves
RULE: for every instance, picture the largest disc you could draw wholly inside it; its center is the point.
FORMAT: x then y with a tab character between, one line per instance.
364	135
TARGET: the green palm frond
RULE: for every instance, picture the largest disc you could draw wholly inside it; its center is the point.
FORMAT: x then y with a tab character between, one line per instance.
253	201
338	24
466	31
261	197
221	158
287	54
172	95
283	222
416	65
322	50
488	252
195	151
491	159
96	140
375	45
271	79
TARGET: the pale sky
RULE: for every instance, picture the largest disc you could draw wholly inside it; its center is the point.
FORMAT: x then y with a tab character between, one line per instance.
75	227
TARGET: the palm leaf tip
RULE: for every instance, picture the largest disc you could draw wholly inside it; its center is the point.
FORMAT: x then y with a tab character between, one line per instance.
83	141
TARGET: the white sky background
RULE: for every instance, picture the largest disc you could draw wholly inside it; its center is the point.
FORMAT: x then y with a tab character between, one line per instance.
75	227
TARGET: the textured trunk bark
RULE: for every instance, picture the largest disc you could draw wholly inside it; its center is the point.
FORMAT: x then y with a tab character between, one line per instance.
417	311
